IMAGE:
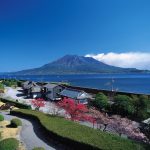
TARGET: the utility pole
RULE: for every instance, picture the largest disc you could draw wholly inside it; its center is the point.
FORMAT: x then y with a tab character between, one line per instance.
112	84
112	89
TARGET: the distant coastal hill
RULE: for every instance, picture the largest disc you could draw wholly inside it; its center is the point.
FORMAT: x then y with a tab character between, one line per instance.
73	64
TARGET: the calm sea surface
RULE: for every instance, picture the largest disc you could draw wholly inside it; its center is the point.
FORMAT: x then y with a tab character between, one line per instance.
136	83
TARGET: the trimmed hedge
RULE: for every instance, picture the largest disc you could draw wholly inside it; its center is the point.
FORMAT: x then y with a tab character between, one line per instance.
38	148
77	136
15	122
9	144
17	104
1	117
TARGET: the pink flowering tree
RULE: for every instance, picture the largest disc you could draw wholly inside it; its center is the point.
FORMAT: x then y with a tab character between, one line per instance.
101	119
129	128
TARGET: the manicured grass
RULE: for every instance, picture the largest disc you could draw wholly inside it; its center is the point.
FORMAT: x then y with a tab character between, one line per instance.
76	134
38	148
9	144
1	118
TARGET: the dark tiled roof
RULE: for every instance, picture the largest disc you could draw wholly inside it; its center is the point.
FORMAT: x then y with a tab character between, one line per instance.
25	83
36	89
50	85
30	85
147	121
75	94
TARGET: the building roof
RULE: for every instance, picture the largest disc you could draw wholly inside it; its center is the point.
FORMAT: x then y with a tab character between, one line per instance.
25	83
30	85
147	121
75	94
50	85
36	88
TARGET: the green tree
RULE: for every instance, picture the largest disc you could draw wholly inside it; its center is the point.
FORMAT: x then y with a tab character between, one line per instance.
141	105
10	83
1	86
123	105
101	101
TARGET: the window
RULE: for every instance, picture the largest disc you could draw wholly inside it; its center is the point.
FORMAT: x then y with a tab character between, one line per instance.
49	92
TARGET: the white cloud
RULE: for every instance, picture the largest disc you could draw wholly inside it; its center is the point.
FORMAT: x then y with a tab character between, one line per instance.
139	60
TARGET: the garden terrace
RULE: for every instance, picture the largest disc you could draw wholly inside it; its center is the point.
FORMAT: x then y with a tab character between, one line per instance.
77	136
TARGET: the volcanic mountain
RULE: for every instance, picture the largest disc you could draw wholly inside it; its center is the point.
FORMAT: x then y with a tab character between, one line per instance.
73	64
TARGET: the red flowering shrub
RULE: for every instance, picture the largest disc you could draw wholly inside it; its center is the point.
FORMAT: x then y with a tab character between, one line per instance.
40	99
77	112
38	104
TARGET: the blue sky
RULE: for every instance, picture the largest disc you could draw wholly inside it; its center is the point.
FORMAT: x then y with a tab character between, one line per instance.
35	32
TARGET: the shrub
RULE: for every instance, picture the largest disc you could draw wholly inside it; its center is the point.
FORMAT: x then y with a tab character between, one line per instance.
77	136
1	117
15	123
9	144
101	101
74	110
16	104
38	148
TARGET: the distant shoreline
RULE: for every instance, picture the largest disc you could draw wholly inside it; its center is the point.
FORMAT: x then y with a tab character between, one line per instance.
59	74
89	89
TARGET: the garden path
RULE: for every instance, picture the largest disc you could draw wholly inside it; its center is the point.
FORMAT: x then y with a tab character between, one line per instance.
31	135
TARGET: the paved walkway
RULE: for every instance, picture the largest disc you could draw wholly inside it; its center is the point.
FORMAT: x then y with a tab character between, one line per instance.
30	135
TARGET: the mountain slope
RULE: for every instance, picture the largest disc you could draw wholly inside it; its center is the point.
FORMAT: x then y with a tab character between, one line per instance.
73	64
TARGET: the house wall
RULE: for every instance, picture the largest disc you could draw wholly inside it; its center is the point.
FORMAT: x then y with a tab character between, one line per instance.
49	94
36	94
52	93
77	101
57	90
83	101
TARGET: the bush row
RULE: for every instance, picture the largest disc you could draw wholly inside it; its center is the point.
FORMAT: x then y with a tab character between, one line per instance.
75	135
16	104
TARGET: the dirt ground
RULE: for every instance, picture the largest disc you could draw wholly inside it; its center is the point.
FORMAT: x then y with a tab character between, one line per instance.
7	132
